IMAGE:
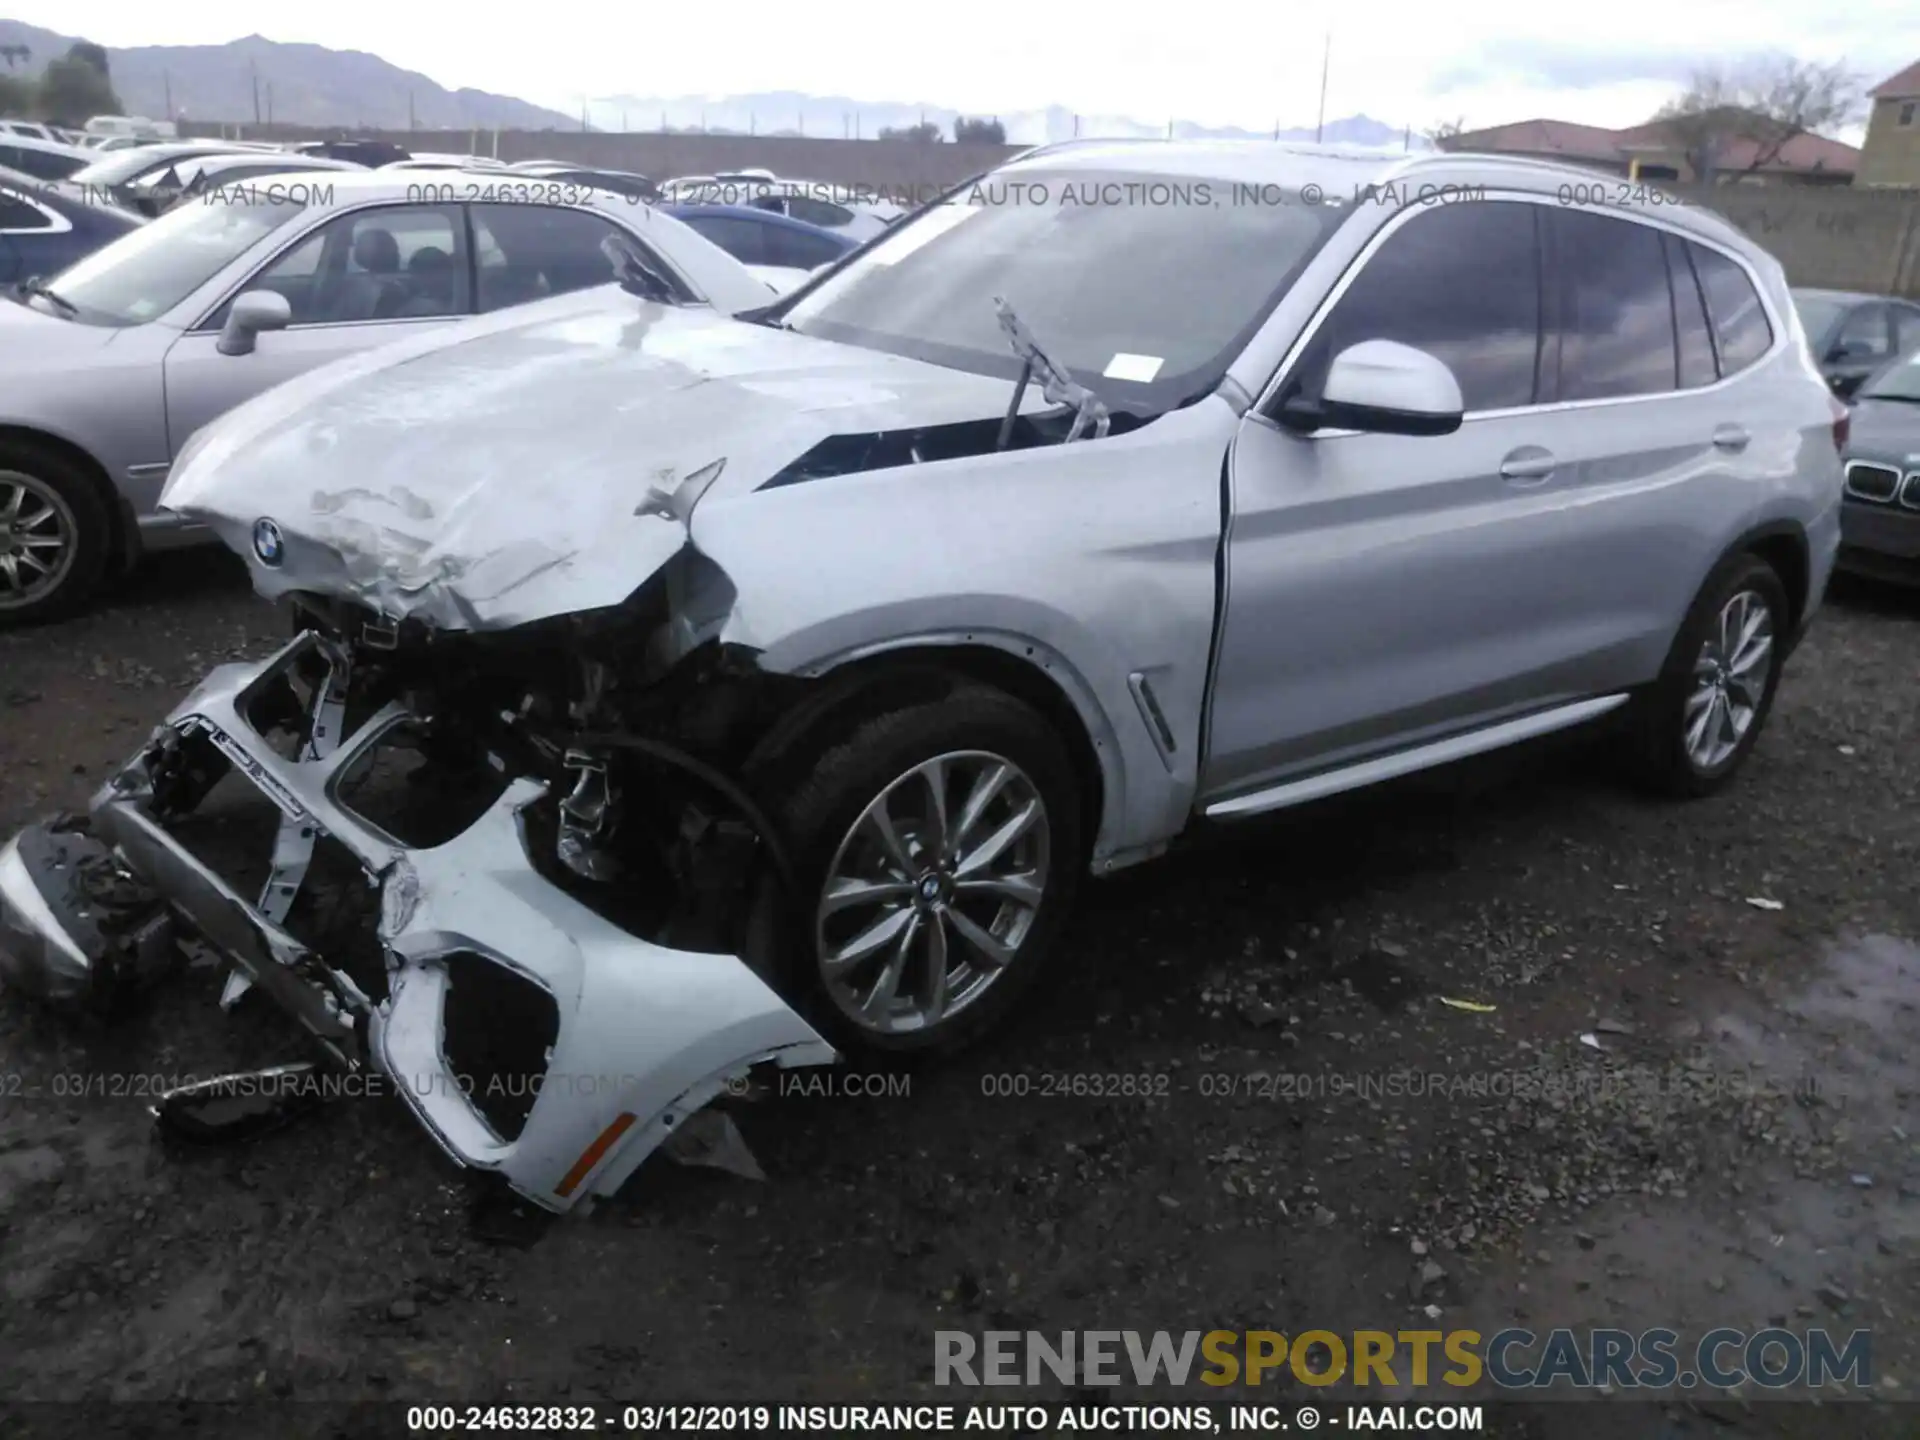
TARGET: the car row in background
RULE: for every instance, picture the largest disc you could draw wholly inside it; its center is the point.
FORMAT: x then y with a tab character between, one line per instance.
1853	335
781	251
860	213
108	367
47	225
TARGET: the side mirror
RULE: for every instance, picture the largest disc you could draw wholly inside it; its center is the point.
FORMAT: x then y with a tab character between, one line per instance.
252	311
1383	387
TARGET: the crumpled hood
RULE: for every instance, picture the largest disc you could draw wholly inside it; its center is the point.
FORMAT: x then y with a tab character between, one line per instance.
514	467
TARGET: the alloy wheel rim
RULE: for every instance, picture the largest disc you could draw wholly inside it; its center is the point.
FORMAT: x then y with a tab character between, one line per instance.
932	892
1729	680
36	539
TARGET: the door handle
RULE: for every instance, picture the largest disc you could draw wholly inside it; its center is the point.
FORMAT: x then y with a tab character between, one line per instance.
1528	465
1731	437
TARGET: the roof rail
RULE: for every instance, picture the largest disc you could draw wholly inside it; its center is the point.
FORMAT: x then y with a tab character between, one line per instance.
1050	146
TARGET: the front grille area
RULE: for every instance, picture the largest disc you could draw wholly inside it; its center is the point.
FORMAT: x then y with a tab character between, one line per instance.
1872	482
1910	494
497	1028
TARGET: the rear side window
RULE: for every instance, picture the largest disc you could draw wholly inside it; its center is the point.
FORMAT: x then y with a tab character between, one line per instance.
1740	330
528	252
1461	282
742	239
799	250
1615	309
1693	336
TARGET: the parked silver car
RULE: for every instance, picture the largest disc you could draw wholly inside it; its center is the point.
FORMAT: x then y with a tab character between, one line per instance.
108	368
778	681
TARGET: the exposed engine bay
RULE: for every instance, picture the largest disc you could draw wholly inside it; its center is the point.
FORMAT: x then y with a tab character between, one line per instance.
562	898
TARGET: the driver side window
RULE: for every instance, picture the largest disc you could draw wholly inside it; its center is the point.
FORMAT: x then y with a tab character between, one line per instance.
1459	281
394	262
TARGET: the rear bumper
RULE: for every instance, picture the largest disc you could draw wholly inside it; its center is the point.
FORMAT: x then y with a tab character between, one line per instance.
645	1034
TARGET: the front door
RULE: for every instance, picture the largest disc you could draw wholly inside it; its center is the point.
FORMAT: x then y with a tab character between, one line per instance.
369	277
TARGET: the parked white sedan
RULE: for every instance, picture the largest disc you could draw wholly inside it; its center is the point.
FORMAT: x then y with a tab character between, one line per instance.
107	368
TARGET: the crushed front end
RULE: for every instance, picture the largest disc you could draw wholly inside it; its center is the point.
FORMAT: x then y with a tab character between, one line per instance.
543	935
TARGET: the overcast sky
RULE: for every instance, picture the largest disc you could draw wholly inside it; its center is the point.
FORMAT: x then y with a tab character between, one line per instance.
1487	61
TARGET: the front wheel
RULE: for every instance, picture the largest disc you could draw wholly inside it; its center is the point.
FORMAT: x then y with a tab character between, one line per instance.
1702	717
54	536
937	850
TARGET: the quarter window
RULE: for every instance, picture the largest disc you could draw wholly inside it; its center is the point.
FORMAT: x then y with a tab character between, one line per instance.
1461	282
1740	329
1616	312
1693	335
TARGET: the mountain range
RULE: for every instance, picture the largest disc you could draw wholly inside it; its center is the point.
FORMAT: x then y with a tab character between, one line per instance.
255	80
788	112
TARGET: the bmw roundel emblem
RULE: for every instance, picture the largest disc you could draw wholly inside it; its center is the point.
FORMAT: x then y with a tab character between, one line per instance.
267	543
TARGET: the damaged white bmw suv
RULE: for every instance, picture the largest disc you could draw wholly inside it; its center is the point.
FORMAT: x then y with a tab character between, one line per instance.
774	680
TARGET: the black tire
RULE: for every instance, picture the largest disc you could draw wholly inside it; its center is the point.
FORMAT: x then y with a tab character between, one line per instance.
39	474
837	784
1659	753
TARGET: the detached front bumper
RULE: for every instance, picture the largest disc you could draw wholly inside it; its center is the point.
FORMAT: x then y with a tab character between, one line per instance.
642	1035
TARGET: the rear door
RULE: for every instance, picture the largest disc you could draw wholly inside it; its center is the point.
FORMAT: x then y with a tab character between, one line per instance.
368	277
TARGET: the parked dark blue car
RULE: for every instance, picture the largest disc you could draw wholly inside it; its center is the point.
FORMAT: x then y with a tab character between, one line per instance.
45	226
763	240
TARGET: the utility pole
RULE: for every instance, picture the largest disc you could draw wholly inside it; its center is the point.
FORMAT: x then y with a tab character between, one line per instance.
1076	127
1326	59
254	71
623	122
412	123
269	102
166	79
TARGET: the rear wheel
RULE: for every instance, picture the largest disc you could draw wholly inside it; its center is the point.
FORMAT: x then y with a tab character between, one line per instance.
937	851
1705	713
54	535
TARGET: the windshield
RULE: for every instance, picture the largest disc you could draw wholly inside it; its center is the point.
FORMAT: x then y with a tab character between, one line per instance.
1143	288
1899	381
147	272
1817	314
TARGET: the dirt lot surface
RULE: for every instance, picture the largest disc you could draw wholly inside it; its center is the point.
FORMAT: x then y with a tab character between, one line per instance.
1278	1121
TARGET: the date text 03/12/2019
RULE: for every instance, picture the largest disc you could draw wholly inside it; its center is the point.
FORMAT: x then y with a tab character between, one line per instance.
912	1420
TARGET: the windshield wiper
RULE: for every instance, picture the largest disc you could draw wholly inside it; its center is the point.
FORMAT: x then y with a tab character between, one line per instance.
1055	383
1889	395
34	286
635	274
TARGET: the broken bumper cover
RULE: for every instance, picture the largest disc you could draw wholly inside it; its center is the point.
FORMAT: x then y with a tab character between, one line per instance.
646	1035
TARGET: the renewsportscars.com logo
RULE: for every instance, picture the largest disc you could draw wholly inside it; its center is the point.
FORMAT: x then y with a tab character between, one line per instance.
1512	1359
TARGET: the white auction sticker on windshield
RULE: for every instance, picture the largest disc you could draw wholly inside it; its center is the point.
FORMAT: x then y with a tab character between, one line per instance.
1133	367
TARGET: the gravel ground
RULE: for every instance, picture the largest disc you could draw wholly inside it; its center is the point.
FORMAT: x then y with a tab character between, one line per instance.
1313	1136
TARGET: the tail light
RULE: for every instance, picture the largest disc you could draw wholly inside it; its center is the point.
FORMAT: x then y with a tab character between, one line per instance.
1842	424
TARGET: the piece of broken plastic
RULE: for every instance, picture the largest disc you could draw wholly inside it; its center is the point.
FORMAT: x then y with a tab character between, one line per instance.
711	1139
237	1107
1477	1007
